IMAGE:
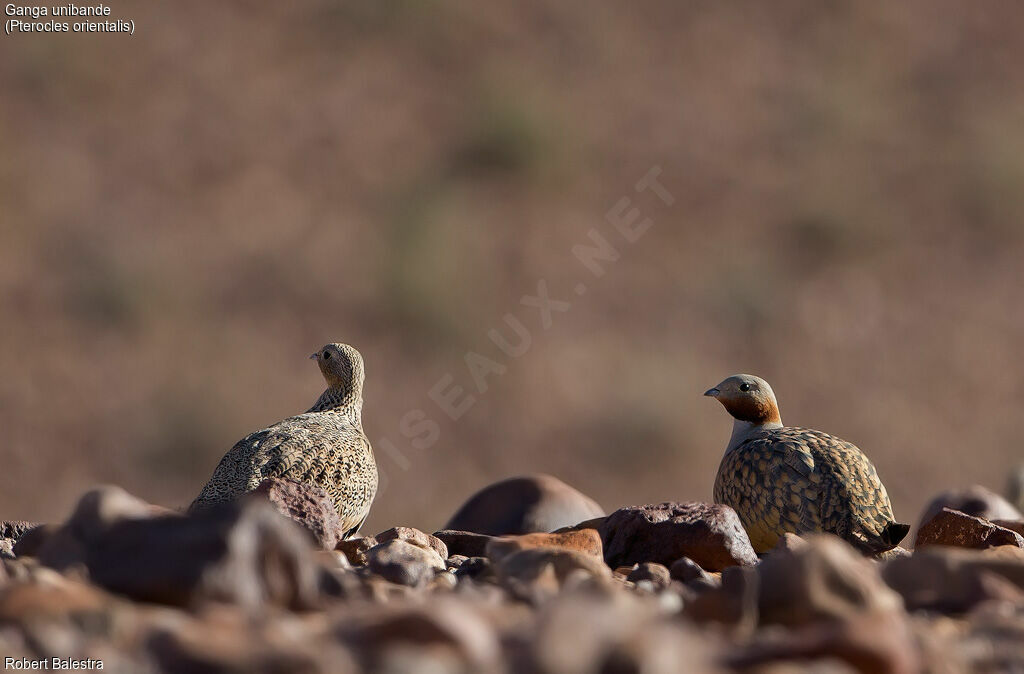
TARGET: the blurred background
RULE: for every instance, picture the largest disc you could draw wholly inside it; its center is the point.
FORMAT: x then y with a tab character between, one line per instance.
188	213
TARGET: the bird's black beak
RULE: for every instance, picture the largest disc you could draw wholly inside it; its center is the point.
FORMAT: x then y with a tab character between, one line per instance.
315	356
712	392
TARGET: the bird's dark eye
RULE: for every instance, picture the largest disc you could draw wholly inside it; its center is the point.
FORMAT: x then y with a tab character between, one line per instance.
327	355
744	387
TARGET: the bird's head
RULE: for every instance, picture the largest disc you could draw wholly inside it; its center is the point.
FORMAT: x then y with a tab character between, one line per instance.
747	398
341	365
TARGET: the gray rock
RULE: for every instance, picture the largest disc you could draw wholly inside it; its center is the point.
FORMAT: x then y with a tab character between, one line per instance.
523	505
403	563
415	537
976	501
307	505
710	535
686	570
656	574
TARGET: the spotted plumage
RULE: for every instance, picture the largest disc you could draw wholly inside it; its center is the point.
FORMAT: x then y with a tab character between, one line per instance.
325	446
786	479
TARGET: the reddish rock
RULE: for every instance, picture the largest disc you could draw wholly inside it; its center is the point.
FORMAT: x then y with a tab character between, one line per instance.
586	541
415	537
1012	525
523	505
307	505
710	535
355	549
464	543
957	529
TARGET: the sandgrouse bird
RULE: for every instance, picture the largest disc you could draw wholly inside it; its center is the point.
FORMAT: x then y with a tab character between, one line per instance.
785	479
325	446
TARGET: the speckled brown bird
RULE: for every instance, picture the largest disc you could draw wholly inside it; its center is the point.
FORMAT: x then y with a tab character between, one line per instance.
782	479
325	446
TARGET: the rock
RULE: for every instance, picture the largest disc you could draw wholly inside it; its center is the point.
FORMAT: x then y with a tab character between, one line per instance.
954	580
870	643
586	541
976	501
1012	525
789	542
6	548
403	563
477	568
242	552
895	553
710	535
416	537
954	528
733	603
305	504
657	574
528	565
591	631
31	541
222	640
523	505
464	543
451	628
355	549
686	570
15	529
824	580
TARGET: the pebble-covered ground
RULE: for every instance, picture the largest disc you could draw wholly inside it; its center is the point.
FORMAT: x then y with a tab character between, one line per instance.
671	587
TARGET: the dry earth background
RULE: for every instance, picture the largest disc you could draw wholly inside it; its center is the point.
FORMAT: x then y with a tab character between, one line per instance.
186	214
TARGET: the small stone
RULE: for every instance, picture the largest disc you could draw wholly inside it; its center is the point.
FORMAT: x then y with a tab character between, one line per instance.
656	574
789	542
307	505
477	568
586	541
954	528
733	603
523	505
31	541
686	570
1012	525
355	549
415	537
709	534
976	501
464	543
530	564
404	563
953	580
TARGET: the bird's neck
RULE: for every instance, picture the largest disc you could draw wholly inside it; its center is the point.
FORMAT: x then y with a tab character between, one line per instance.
743	430
343	400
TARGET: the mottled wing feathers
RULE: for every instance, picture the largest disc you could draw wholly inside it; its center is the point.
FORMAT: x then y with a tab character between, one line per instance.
325	449
800	480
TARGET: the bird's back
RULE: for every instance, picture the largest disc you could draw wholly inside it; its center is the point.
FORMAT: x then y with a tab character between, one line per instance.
327	449
801	480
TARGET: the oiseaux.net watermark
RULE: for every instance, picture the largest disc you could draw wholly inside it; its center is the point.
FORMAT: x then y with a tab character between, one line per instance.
625	224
